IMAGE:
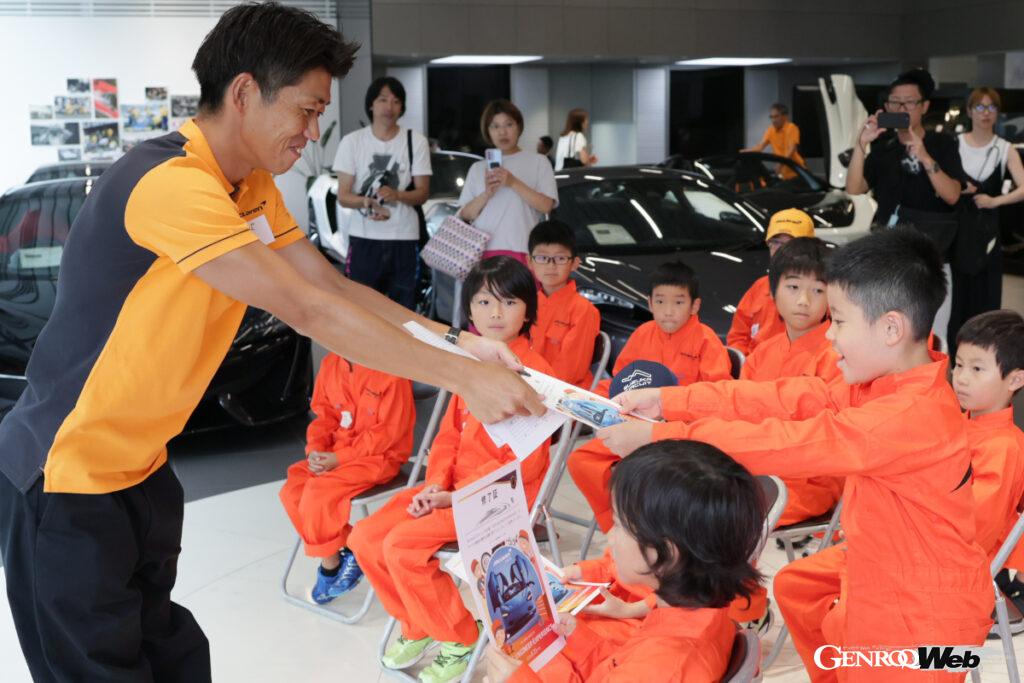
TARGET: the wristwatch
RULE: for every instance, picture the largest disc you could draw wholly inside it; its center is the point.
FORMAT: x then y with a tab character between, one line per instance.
933	168
452	335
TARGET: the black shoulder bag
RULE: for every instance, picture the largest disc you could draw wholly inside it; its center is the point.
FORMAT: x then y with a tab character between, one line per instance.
571	161
412	186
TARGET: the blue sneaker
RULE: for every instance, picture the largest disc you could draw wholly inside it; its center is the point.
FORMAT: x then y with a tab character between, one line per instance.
349	575
321	592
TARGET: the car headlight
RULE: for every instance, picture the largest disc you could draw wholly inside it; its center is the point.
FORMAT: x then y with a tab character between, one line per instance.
602	298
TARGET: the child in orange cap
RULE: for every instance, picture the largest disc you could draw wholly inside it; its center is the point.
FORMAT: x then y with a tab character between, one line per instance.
694	568
910	572
756	318
989	371
361	436
567	324
396	546
676	337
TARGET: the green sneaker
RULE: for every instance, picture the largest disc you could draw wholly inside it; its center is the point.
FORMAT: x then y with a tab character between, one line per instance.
450	663
403	653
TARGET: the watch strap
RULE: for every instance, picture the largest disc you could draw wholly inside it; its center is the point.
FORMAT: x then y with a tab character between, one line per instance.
452	335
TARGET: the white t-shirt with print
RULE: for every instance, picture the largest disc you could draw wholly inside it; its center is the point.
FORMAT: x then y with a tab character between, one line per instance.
374	162
569	146
507	216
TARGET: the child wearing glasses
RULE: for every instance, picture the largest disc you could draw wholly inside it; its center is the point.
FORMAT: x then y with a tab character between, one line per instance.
567	324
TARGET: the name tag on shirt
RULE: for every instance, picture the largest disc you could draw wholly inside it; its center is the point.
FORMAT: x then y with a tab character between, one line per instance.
261	226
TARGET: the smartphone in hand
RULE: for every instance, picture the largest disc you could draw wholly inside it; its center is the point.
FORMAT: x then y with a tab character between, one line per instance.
894	119
493	157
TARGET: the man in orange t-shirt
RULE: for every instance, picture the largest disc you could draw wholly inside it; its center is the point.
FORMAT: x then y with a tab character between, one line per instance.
756	319
783	136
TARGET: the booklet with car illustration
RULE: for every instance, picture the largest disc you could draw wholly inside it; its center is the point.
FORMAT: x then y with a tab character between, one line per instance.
500	560
570	596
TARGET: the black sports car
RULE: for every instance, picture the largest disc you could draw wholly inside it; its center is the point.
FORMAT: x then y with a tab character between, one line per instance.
267	374
85	169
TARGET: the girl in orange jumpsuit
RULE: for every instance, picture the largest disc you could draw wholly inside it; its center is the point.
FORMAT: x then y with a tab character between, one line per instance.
395	546
910	572
361	436
694	569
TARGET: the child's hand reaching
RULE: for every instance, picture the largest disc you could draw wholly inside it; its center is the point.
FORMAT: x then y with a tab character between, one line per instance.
572	573
644	402
430	498
322	461
613	608
623	439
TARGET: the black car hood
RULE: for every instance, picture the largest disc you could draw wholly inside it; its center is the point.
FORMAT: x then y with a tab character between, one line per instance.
724	277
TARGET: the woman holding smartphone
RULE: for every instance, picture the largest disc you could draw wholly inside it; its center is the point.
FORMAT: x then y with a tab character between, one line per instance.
508	193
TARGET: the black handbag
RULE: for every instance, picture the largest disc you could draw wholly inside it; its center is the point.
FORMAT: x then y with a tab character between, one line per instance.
571	161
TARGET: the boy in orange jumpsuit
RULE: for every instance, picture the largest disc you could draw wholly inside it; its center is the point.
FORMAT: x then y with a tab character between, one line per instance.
989	371
396	545
361	436
567	324
693	569
756	318
910	572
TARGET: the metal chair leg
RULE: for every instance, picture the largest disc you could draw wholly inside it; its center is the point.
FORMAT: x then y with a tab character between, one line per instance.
383	647
341	617
776	648
1003	622
585	548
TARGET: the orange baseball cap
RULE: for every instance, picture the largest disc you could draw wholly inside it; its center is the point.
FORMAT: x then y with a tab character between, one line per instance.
793	222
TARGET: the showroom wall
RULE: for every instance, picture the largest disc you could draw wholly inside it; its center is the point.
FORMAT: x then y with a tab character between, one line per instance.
40	53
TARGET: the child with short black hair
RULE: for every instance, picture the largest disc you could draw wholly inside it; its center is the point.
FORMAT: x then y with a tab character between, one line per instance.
676	337
910	572
687	520
396	545
567	324
989	371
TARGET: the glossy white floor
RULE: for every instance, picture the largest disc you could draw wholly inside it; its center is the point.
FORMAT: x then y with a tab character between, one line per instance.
235	546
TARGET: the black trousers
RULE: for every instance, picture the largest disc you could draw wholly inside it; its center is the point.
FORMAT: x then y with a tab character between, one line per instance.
89	579
389	266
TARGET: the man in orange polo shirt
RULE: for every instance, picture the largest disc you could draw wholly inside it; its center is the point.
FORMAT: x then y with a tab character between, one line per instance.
171	244
756	319
783	136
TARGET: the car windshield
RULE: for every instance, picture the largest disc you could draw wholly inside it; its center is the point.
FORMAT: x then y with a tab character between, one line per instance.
33	229
644	214
66	171
750	174
450	172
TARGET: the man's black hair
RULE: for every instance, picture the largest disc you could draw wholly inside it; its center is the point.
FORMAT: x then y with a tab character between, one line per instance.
552	232
389	82
919	77
1001	332
892	270
699	511
781	108
548	142
504	277
799	256
676	274
275	43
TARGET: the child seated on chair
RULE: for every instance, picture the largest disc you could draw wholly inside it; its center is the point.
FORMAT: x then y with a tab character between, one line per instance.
910	572
989	371
567	324
362	433
687	520
756	319
396	546
676	337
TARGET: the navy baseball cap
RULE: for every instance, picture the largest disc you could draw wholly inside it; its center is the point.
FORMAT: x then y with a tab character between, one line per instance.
642	374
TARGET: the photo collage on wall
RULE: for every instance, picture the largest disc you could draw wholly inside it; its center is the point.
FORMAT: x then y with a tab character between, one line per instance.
88	122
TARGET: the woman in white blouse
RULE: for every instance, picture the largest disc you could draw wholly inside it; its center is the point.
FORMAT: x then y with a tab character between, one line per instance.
986	158
572	144
509	200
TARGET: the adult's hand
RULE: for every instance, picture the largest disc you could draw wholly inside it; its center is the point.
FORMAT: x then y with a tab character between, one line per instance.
915	147
490	350
870	131
494	393
984	201
387	194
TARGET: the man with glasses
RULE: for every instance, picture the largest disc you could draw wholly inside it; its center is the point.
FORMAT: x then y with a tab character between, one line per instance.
916	176
783	136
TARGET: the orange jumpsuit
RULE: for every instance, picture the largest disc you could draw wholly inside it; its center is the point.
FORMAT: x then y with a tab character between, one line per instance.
396	550
367	418
756	319
910	571
997	456
670	645
564	333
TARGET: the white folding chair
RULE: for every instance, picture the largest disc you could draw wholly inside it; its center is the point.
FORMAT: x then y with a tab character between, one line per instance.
798	530
409	474
1002	616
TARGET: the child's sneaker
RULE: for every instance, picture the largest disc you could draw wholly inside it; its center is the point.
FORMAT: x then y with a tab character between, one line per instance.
403	653
322	592
760	626
349	574
450	663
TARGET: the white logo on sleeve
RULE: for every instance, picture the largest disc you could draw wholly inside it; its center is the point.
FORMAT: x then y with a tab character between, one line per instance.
261	226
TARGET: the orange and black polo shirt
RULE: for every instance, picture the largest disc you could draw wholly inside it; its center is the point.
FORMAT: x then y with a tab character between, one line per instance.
135	337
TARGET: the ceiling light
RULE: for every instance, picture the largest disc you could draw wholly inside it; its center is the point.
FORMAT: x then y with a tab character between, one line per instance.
484	59
734	61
